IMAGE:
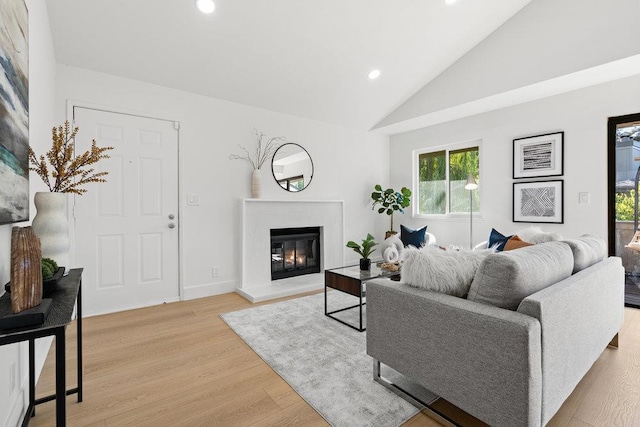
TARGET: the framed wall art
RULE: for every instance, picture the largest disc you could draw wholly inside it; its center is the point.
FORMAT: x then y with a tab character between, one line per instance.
538	156
540	201
14	112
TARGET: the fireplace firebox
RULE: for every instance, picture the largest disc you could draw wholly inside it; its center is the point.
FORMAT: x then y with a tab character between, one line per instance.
294	252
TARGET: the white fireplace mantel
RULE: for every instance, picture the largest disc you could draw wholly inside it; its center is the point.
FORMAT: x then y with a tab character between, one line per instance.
259	216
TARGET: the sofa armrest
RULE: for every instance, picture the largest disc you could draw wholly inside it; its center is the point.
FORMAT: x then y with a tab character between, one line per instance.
579	316
483	359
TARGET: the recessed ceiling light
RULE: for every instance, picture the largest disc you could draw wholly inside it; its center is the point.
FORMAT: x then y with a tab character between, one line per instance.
205	6
374	74
450	1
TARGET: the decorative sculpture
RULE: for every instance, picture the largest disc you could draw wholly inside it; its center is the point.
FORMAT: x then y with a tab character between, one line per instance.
26	269
391	249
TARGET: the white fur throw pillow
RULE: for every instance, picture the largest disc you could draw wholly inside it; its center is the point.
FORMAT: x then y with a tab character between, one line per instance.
450	272
535	235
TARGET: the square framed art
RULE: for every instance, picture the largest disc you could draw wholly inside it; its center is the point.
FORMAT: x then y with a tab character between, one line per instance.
540	201
538	156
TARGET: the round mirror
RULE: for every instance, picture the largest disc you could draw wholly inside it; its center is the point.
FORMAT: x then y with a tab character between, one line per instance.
292	167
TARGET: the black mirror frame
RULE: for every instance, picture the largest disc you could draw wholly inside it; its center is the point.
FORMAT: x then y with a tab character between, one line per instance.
274	173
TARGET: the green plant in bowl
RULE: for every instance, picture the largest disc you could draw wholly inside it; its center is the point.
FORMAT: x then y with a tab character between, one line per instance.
49	268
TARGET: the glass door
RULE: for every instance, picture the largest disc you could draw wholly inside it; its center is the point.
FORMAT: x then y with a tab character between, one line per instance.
624	207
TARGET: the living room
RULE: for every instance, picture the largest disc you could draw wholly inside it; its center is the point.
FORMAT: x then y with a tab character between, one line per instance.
553	66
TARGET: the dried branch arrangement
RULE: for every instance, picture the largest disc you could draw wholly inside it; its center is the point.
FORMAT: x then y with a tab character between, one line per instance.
264	150
60	170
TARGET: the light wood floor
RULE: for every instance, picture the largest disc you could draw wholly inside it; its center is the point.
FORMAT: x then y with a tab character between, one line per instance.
180	365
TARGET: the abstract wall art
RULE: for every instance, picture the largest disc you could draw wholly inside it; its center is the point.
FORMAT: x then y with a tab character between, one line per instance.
14	111
540	201
537	156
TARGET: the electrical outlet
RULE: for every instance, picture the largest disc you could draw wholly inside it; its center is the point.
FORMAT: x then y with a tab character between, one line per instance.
12	377
215	272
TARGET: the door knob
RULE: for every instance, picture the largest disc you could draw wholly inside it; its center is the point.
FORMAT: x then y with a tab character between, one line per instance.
171	216
172	225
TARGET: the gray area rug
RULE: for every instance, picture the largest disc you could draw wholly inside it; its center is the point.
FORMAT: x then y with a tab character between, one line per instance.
324	361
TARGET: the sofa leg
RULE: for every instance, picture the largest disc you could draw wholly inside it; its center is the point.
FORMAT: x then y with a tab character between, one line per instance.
415	401
614	342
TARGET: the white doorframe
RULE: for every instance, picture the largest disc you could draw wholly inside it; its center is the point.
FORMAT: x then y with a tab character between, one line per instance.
71	104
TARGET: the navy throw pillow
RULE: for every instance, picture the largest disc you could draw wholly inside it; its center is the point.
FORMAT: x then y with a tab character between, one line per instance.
411	237
497	240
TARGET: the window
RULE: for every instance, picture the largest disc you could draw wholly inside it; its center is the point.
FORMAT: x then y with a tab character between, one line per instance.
441	177
295	183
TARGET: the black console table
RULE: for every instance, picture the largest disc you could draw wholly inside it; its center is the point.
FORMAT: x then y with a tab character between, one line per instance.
64	299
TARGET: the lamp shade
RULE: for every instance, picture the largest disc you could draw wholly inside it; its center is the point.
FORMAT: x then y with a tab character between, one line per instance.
471	183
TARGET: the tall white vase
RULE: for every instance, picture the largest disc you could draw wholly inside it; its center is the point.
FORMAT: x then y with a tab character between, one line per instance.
256	183
52	226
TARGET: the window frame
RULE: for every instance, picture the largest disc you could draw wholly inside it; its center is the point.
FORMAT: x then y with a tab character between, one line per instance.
415	178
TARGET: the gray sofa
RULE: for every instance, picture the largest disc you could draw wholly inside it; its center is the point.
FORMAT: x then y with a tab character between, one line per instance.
535	321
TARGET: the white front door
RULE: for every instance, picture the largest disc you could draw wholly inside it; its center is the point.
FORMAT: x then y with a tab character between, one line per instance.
126	230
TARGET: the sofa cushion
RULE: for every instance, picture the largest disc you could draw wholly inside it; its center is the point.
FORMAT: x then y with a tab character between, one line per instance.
446	271
506	278
411	237
587	250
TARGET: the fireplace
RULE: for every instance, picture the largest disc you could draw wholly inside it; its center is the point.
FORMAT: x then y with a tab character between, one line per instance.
294	252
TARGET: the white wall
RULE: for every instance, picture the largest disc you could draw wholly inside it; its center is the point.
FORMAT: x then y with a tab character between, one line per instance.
348	163
41	119
581	114
547	39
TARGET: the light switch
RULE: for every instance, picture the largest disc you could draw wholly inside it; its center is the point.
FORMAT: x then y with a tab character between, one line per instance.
584	198
193	200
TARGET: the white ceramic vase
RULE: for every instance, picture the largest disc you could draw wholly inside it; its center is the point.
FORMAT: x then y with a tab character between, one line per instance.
52	226
256	183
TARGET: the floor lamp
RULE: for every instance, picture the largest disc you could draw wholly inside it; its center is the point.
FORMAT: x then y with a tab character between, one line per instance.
471	185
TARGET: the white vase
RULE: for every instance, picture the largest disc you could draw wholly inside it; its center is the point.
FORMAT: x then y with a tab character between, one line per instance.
52	226
256	183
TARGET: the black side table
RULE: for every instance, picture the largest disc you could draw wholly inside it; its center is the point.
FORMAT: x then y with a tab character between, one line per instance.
64	298
351	280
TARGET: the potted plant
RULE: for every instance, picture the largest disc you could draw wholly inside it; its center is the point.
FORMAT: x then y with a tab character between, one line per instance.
363	250
391	201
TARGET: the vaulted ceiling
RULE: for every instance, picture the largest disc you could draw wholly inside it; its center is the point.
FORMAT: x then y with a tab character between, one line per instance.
300	57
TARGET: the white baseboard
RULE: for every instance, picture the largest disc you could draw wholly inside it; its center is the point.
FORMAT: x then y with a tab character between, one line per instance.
209	289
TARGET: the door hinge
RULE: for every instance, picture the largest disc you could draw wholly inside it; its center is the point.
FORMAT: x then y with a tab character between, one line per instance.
176	125
73	211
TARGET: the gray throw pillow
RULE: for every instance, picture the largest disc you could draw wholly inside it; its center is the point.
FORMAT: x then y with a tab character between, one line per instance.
587	250
506	278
